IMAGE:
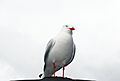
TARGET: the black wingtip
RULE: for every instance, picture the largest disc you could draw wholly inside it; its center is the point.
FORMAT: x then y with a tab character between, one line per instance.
40	75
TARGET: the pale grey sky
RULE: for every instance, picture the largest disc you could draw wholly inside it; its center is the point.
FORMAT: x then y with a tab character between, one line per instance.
27	25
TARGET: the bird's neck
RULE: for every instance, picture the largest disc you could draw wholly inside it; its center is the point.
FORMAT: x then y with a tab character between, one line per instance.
64	34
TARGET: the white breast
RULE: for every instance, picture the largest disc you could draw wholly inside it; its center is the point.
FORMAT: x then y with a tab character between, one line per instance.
62	50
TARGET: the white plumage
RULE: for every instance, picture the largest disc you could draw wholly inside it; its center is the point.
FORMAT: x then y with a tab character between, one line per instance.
60	51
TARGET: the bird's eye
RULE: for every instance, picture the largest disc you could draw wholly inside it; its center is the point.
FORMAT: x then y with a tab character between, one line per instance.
66	25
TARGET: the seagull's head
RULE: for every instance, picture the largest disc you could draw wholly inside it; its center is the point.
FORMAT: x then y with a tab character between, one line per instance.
68	28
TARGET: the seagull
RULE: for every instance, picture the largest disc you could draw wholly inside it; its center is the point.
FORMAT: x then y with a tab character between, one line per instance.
60	52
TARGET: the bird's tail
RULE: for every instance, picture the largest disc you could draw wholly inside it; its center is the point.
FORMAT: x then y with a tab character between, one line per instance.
42	75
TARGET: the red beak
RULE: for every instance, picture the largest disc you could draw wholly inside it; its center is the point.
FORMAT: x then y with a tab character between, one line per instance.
72	28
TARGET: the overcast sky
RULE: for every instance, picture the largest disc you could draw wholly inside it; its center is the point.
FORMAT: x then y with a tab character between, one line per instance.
27	25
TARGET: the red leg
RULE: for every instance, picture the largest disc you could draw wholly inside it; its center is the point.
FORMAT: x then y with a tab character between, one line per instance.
63	71
54	69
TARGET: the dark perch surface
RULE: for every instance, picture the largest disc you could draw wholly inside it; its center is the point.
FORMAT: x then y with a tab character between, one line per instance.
54	79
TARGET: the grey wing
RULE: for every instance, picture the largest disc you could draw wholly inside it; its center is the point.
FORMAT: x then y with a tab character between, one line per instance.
48	48
73	55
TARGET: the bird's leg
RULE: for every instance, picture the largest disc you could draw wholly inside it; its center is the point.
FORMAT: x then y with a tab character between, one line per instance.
54	69
63	70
